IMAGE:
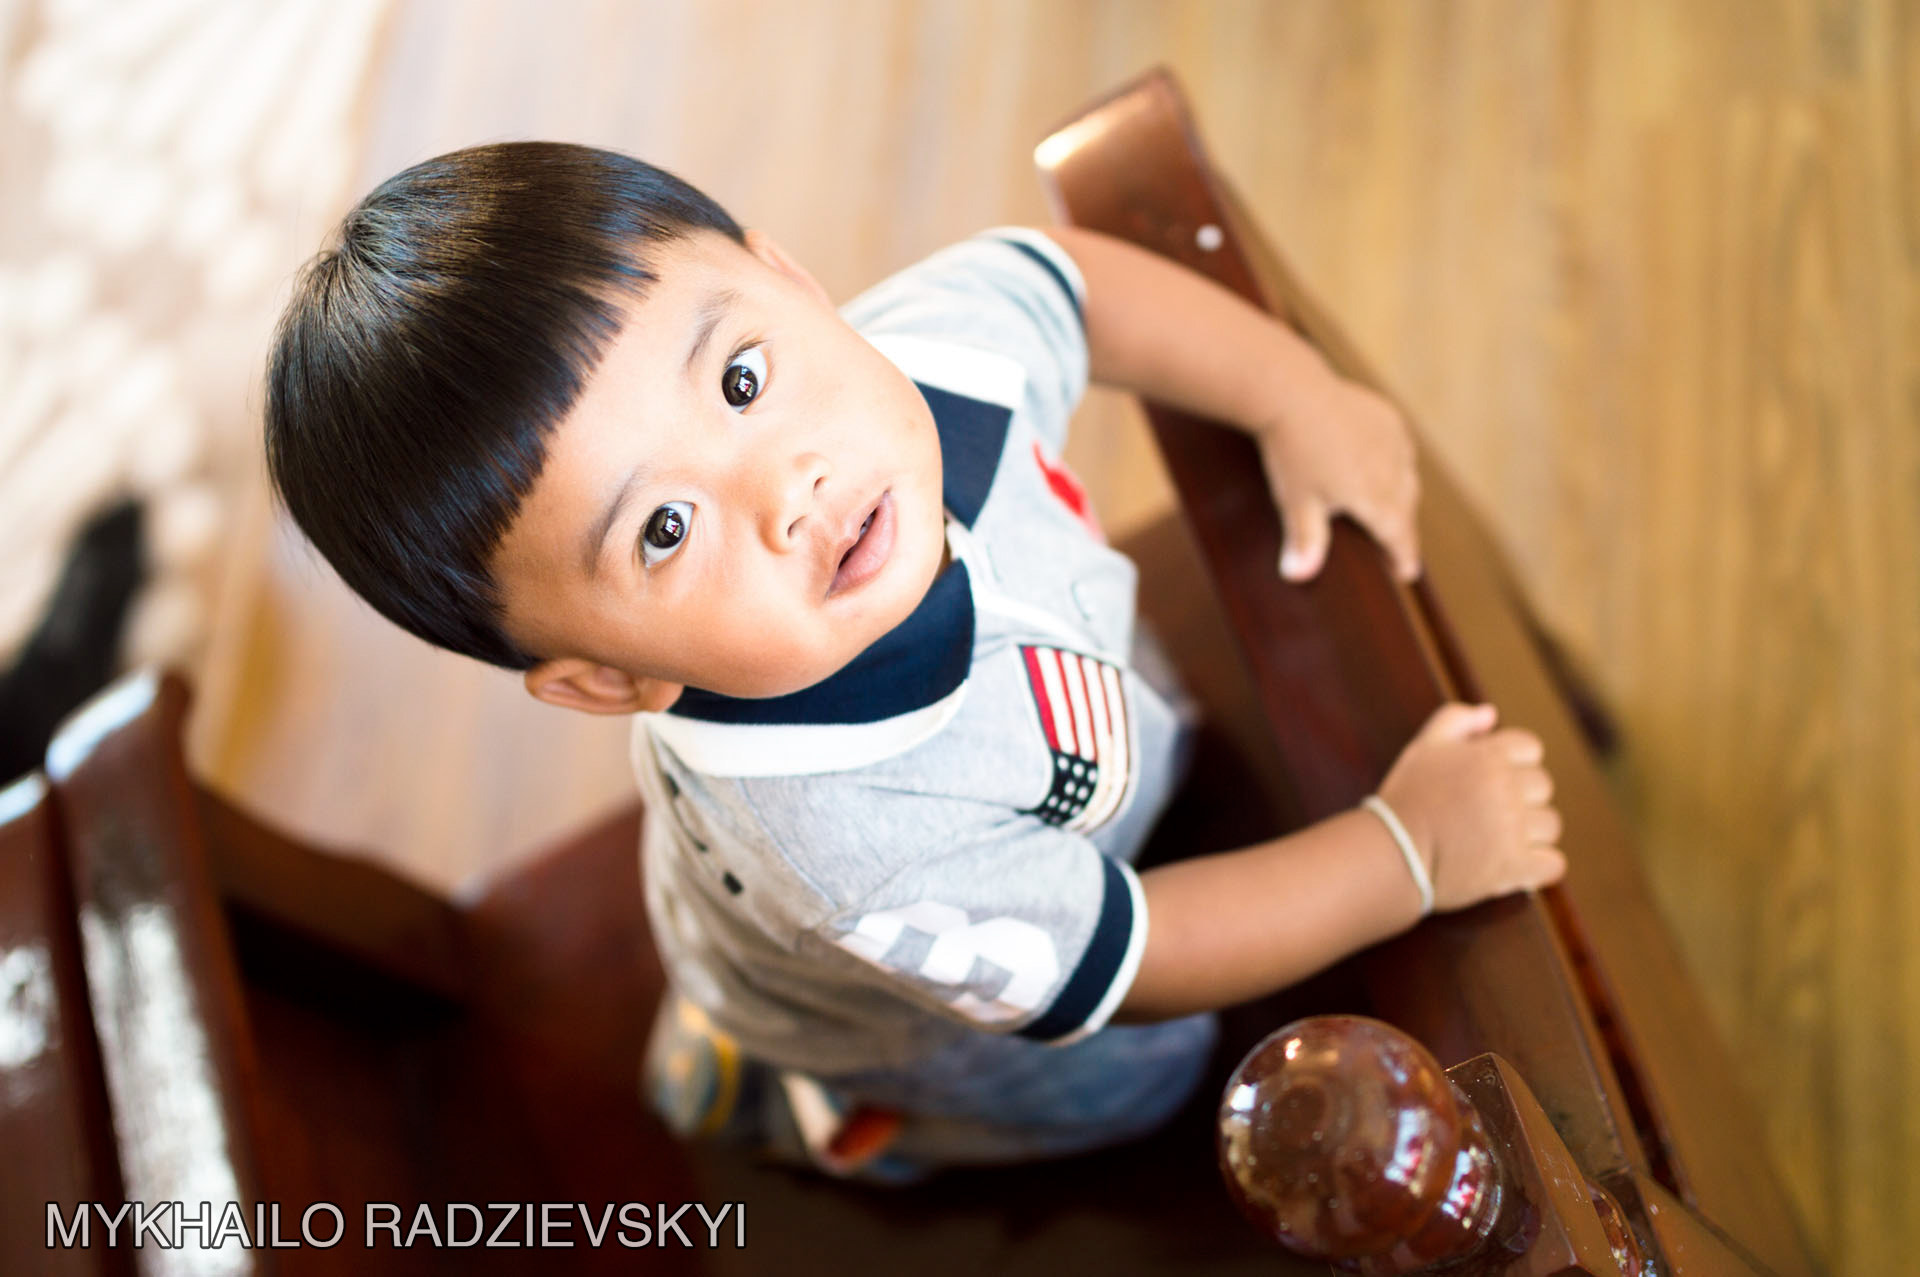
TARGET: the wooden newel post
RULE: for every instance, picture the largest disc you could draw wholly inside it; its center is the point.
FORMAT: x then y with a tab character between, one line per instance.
1343	1139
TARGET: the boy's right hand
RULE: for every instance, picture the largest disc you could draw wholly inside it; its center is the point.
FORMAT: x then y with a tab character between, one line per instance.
1477	804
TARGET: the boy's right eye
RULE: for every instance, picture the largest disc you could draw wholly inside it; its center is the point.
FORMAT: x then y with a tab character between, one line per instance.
745	377
666	530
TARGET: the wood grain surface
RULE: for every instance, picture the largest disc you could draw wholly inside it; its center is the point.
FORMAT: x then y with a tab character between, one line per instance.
1647	273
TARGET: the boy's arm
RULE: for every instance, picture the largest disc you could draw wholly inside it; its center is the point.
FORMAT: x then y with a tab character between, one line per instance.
1329	446
1240	924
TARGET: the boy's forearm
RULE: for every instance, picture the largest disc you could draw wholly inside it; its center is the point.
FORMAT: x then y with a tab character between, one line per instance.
1240	924
1162	331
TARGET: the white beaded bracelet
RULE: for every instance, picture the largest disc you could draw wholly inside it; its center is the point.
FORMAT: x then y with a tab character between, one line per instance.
1403	840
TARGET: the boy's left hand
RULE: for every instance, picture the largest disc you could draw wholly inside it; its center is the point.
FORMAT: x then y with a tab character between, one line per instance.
1339	448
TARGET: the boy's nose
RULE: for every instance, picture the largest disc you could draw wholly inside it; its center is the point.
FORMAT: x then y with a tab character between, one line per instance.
791	515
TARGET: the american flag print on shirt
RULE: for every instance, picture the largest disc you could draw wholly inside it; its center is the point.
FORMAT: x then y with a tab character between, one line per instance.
1083	712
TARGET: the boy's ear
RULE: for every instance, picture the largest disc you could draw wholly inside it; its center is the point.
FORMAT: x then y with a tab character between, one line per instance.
761	245
573	683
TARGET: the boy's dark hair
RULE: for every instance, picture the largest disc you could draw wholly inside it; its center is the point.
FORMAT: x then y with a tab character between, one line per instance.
421	364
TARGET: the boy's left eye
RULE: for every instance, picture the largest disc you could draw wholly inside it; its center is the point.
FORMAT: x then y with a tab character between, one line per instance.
745	375
666	529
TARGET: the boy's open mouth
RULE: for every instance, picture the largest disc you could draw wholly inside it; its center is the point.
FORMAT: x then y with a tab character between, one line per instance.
868	553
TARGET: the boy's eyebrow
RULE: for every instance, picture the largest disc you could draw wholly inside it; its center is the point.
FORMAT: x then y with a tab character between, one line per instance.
592	544
706	319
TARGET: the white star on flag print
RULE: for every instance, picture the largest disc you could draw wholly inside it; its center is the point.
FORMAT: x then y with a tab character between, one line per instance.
1083	712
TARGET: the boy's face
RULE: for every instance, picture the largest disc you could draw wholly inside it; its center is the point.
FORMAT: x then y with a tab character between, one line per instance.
744	497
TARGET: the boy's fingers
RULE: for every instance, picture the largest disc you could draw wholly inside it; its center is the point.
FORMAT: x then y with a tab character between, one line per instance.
1550	866
1406	563
1306	543
1522	747
1410	564
1456	721
1543	827
1536	786
1401	539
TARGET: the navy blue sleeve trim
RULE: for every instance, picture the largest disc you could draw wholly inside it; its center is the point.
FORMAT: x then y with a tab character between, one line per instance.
1105	951
1059	276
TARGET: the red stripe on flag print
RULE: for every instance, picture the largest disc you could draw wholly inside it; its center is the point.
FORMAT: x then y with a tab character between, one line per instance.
1053	689
1116	753
1097	702
1077	696
1040	698
1082	708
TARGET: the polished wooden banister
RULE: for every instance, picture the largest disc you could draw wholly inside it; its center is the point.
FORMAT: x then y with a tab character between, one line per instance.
182	1076
1580	988
54	1117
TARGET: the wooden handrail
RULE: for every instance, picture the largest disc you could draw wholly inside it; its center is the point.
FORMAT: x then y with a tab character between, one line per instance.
1580	988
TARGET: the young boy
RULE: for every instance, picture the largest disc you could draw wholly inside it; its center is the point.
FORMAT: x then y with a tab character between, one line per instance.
550	407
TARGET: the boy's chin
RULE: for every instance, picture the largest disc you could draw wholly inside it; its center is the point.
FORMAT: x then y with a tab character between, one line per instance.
813	673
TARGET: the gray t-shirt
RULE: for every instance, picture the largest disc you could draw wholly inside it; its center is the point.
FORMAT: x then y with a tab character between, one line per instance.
937	839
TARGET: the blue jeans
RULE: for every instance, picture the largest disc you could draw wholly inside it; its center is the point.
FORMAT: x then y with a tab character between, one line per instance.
991	1098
